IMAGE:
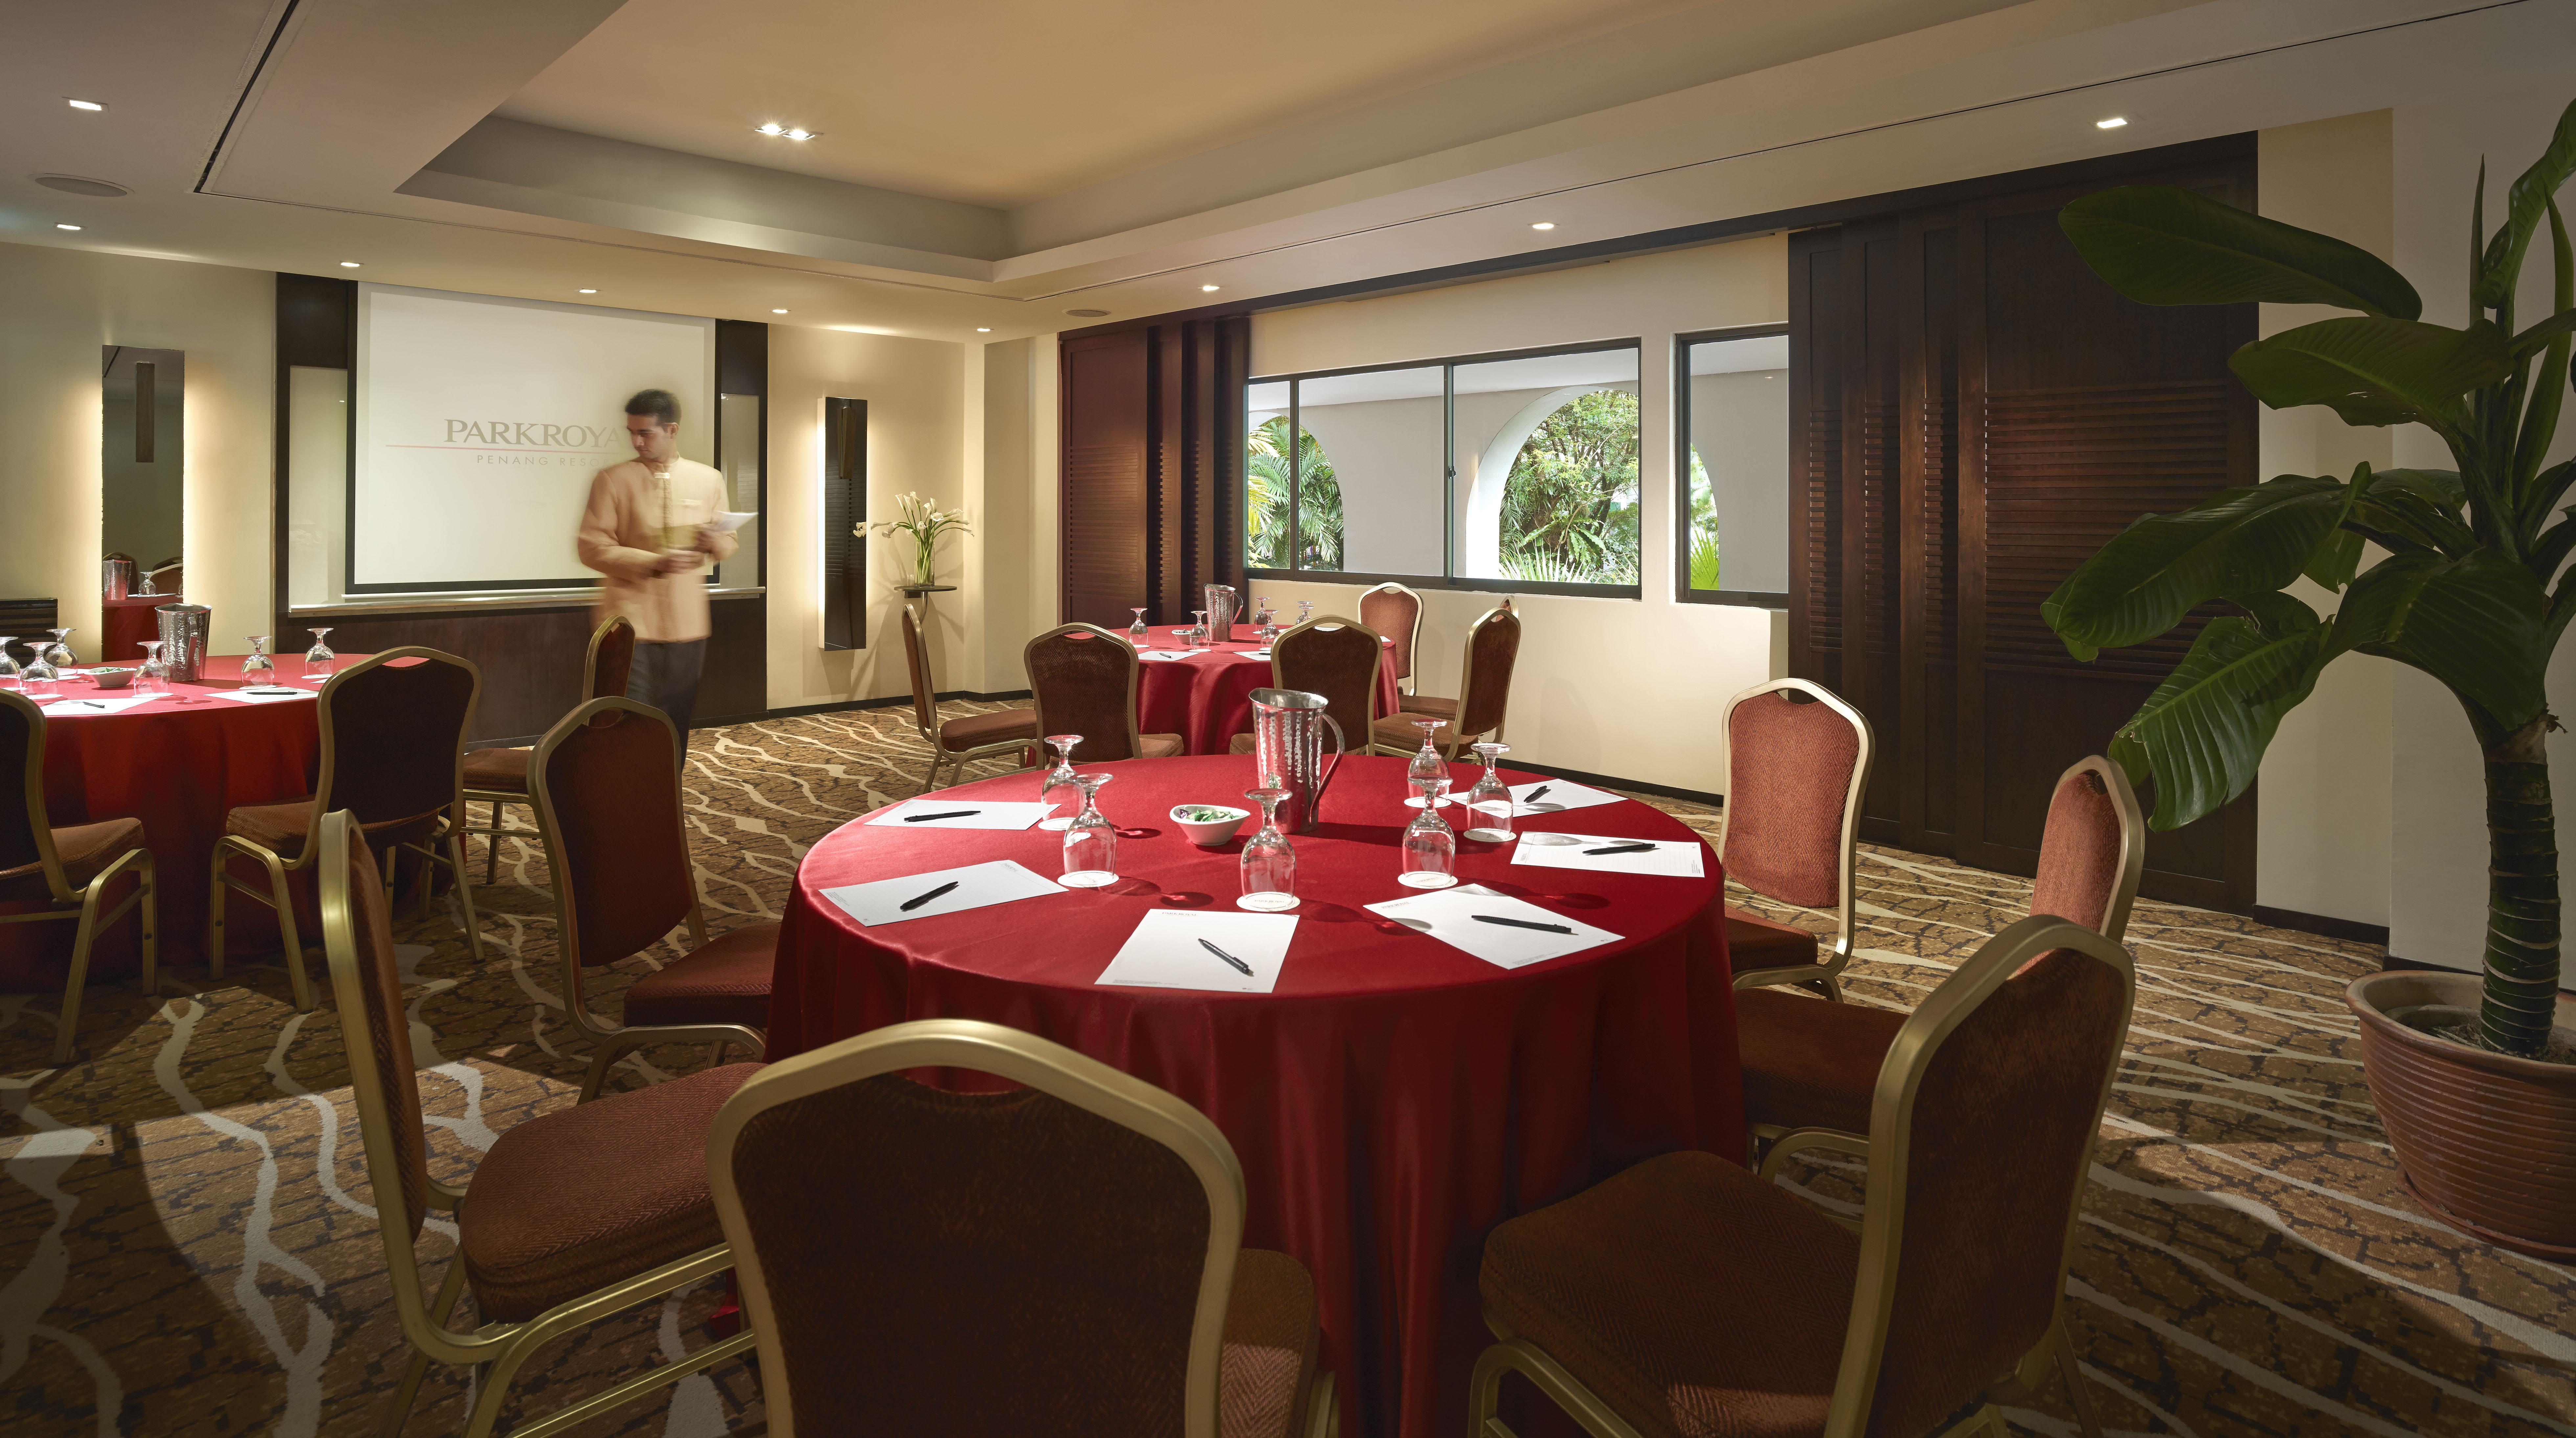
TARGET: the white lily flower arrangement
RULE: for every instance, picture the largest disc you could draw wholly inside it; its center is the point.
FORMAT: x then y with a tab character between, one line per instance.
924	523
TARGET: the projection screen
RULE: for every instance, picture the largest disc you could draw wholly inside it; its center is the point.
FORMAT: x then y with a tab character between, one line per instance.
481	421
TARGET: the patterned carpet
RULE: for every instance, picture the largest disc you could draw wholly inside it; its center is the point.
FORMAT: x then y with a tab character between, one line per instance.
187	1246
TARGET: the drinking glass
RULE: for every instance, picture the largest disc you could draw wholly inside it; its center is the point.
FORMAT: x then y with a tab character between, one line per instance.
1269	866
1489	804
1059	786
1430	848
1305	610
8	667
1091	843
1136	631
257	666
317	660
1198	627
57	653
1427	765
155	678
39	676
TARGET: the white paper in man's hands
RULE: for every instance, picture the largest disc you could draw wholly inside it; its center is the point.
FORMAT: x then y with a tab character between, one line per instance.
1166	952
1449	915
729	520
1673	858
978	886
1547	796
937	813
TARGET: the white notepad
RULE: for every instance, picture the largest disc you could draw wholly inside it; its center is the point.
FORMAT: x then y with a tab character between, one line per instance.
968	814
1166	952
1560	794
1674	858
1449	916
265	695
109	703
1162	653
978	886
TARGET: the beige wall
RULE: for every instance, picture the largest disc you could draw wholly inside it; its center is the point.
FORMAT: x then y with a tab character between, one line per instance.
61	306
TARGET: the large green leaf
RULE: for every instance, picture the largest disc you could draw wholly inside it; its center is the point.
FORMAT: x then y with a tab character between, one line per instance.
2203	732
2337	556
2476	623
2167	246
2375	371
2528	200
2157	570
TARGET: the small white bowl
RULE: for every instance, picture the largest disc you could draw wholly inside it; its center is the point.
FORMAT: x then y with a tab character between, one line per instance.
1209	833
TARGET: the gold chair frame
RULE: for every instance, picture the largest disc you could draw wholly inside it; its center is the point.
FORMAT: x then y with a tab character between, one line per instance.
1036	1063
925	697
1882	1226
88	896
279	899
1826	977
1135	669
1279	676
611	1044
496	798
496	1349
1412	640
1466	679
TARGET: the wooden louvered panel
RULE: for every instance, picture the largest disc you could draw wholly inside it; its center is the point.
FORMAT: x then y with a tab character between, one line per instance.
2065	470
1939	519
1879	586
1104	533
1821	474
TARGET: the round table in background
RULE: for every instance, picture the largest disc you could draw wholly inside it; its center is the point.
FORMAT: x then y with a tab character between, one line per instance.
1206	696
130	624
179	764
1391	1101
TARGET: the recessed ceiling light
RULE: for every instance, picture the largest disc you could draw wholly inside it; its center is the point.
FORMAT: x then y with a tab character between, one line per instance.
80	185
1544	225
2115	122
590	292
1207	289
83	104
800	134
60	226
348	264
773	128
983	329
778	312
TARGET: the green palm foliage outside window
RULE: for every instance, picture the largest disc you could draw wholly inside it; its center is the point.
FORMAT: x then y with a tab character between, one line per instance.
1703	526
1267	533
1570	504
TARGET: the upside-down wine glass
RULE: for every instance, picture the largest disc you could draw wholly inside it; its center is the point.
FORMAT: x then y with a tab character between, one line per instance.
317	660
1305	610
1269	866
155	675
1198	635
39	676
1091	843
1430	846
57	653
256	665
1489	804
1136	631
1060	787
9	670
1427	765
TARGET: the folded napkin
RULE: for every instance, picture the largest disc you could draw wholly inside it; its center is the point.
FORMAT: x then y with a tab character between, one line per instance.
1676	858
999	881
1168	950
1449	915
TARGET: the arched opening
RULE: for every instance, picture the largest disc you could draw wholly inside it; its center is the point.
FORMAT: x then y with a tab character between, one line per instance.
1555	494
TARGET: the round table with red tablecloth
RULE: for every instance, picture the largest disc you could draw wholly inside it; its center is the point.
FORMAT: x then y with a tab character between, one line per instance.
179	764
1205	694
1392	1100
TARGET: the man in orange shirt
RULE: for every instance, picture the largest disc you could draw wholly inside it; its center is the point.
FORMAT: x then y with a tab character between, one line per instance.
648	530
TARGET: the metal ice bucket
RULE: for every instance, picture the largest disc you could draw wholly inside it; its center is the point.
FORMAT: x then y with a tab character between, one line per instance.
116	578
183	639
1288	749
1222	605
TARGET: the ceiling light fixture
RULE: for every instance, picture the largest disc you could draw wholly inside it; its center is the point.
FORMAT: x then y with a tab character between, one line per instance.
983	329
784	132
348	264
800	134
590	292
778	312
60	226
1207	289
83	104
773	128
2115	122
1544	225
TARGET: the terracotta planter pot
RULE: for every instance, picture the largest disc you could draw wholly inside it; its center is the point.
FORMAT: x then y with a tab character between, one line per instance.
2488	1142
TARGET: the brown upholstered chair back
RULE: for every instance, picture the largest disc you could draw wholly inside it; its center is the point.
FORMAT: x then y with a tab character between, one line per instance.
1981	1133
1395	612
375	1029
606	781
925	695
1084	681
1055	1259
611	659
1797	759
26	833
393	734
1333	657
2093	850
1485	683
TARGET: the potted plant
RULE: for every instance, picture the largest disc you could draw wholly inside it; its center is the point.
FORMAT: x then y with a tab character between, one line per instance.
2472	1075
923	523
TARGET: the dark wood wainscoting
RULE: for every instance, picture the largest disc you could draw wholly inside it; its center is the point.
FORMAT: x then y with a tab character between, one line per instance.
1152	468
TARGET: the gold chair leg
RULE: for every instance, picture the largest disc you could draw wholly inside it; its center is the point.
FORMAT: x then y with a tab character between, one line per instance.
1485	1395
464	893
70	1025
150	904
216	889
284	900
610	1050
441	1310
931	781
492	849
2064	1342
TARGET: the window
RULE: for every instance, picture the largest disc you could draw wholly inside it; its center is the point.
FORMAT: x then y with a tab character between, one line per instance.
1732	433
1493	472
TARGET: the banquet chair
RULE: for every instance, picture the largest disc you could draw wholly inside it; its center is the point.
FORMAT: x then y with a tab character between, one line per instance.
1797	759
1809	1067
965	739
1064	1258
1686	1295
572	1216
1331	656
68	869
1396	612
606	781
1084	681
500	776
1484	682
393	743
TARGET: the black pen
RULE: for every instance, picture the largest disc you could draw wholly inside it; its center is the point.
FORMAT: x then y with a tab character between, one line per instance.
1229	958
1622	849
1535	793
1519	923
944	814
911	904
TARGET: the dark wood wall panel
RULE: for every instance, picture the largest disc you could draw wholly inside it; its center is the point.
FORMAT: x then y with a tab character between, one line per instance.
1817	337
1152	468
1108	395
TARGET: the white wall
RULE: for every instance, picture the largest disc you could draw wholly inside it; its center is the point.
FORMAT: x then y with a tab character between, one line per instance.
62	306
1740	426
1605	686
1387	458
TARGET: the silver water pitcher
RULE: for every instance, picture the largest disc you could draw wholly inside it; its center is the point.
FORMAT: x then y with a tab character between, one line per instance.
1222	605
1288	751
116	579
183	639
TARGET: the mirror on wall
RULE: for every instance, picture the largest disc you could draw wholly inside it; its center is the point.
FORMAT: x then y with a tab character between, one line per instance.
142	447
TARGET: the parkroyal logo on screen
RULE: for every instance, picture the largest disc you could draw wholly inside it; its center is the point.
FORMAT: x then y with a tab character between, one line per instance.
526	442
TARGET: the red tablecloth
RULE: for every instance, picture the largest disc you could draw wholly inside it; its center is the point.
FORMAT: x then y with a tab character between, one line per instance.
1206	697
1392	1101
179	764
131	624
